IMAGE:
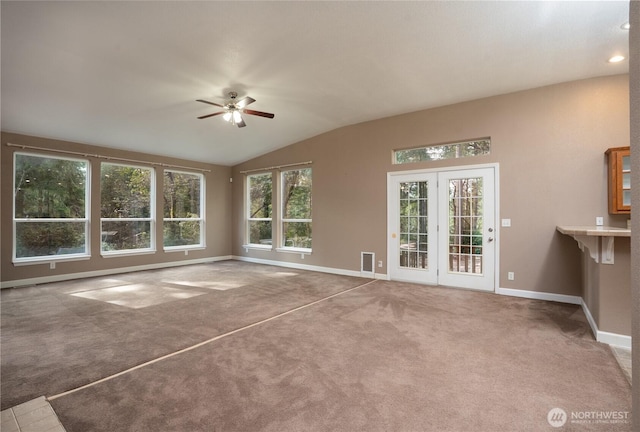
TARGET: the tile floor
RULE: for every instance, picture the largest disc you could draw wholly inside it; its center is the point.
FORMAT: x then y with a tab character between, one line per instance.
33	416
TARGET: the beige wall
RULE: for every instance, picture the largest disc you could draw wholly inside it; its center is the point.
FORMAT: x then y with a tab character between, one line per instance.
218	202
606	289
549	143
634	73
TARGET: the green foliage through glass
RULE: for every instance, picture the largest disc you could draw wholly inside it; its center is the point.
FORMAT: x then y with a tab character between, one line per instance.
47	191
445	151
296	208
126	207
260	223
182	209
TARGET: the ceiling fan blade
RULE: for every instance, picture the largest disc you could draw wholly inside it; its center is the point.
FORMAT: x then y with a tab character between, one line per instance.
210	103
241	123
244	102
258	113
211	115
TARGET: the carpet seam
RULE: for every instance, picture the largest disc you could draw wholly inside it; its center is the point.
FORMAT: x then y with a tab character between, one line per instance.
205	342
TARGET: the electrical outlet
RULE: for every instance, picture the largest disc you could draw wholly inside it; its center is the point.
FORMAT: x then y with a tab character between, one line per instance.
380	264
52	265
511	276
599	221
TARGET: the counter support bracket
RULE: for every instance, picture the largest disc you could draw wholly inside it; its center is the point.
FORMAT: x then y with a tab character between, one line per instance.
600	248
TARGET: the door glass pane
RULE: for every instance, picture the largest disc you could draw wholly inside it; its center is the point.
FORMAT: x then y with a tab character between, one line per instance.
465	226
413	225
626	180
626	163
626	197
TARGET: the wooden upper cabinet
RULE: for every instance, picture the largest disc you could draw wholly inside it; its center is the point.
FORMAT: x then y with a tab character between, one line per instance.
619	159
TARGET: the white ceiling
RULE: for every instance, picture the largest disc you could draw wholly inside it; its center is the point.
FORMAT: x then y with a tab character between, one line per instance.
127	74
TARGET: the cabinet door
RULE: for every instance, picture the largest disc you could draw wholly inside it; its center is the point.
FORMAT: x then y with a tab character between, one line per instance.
619	180
623	186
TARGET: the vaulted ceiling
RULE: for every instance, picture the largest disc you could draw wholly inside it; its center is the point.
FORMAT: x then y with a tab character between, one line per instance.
127	74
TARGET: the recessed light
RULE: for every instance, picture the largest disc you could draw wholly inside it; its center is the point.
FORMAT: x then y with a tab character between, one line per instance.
616	59
625	26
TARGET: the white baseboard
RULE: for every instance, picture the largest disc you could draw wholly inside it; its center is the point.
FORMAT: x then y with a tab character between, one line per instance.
309	267
96	273
537	295
603	336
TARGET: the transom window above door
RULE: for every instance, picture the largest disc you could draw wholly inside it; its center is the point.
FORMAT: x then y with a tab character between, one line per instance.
456	150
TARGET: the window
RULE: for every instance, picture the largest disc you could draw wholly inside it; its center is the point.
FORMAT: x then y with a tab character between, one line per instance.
183	210
259	215
126	208
296	209
445	151
51	203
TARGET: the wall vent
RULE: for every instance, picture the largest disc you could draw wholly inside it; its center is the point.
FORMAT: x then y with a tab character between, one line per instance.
367	264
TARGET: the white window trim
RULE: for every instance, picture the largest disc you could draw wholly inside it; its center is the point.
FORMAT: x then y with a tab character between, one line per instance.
152	211
257	247
127	252
87	206
281	221
295	250
247	203
201	219
450	144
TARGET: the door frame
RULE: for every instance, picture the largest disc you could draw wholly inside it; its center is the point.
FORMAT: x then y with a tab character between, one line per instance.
496	192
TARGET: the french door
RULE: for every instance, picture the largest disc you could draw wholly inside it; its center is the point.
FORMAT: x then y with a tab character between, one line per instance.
442	227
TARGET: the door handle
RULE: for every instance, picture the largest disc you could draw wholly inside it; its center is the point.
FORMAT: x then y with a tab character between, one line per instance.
490	230
490	239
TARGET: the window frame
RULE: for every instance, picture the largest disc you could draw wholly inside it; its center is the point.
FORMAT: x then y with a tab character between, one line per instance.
151	219
457	146
282	220
247	212
86	219
201	219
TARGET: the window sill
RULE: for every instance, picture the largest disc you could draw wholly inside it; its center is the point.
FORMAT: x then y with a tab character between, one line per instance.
183	248
304	251
50	259
266	247
116	254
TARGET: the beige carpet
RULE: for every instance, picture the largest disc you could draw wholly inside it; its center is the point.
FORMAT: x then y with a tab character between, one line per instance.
382	357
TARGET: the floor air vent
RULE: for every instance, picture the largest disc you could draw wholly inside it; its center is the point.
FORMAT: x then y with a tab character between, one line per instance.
367	264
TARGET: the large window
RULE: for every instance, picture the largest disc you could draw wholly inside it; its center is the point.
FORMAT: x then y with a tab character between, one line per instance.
127	202
183	210
296	209
51	203
259	215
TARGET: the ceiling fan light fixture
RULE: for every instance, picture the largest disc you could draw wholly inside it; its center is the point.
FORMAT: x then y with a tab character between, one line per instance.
232	110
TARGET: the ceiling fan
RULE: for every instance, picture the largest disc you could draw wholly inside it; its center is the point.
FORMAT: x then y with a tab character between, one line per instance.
233	110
